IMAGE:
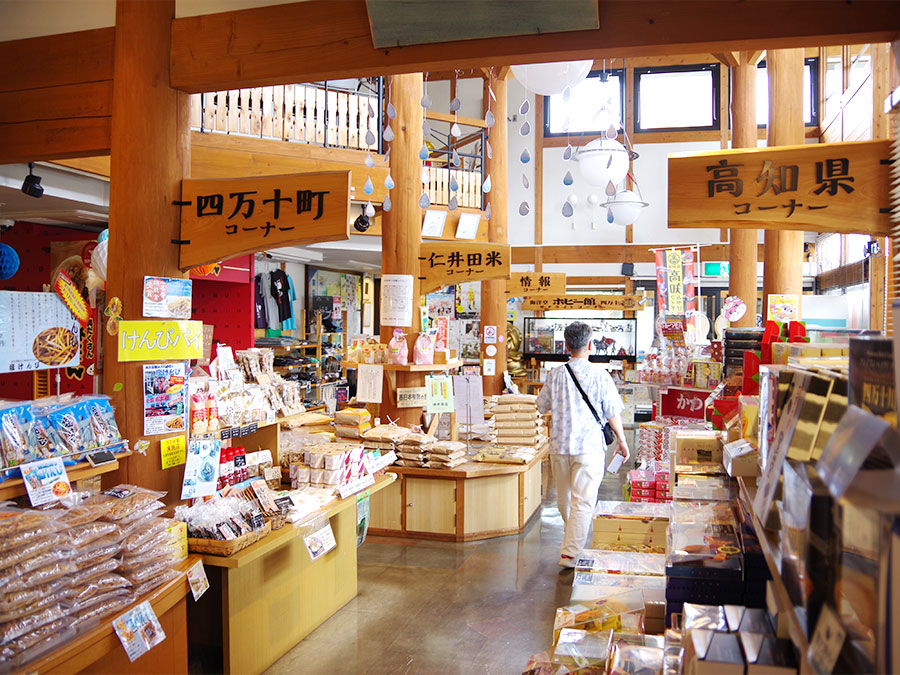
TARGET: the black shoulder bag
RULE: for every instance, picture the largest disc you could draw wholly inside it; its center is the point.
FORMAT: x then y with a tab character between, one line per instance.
608	434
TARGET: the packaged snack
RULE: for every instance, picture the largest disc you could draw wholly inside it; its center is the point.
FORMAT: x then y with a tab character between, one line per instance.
352	417
598	615
90	616
96	586
423	352
631	659
130	563
40	576
582	648
398	349
13	629
35	643
16	601
158	580
47	441
26	566
139	575
81	535
98	551
28	551
212	413
138	536
104	429
79	578
127	500
20	526
198	414
97	599
67	422
17	434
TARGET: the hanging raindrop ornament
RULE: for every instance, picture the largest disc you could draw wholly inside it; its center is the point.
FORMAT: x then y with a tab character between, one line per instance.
454	184
424	201
489	119
524	209
525	107
565	125
388	134
453	203
426	128
391	110
525	129
486	186
389	182
567	210
426	99
369	161
609	216
567	94
455	131
454	158
612	132
370	210
525	157
488	212
423	153
611	189
525	183
489	151
387	205
567	153
567	179
455	104
368	188
370	137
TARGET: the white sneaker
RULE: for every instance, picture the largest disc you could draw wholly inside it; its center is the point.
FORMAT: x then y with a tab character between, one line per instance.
567	562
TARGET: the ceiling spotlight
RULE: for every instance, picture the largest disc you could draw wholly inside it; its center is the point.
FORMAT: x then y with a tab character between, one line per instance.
361	224
31	186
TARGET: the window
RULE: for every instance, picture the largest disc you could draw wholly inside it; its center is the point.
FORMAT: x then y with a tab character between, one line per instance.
586	99
810	93
828	252
676	97
855	247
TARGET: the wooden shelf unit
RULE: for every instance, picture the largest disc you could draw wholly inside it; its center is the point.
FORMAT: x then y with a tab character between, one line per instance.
410	367
15	487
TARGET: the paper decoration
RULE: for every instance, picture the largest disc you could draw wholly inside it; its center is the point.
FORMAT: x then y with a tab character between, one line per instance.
396	300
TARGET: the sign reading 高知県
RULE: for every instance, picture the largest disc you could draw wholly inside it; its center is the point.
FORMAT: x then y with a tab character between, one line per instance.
830	187
225	217
454	262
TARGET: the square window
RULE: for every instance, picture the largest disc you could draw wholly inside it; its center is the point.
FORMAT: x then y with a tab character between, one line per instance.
677	97
584	109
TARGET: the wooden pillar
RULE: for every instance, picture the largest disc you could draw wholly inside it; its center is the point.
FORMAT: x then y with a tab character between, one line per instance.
149	156
742	251
493	293
879	283
783	271
402	226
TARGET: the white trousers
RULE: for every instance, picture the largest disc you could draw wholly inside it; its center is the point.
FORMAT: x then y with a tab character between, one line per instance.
578	479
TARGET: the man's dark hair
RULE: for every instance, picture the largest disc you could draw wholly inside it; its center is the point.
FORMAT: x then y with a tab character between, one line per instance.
577	335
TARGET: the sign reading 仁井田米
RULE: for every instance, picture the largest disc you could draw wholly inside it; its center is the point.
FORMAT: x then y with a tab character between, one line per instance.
454	262
160	340
829	187
226	217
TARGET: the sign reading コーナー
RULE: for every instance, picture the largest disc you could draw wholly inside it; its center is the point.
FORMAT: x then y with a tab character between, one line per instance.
831	187
226	217
454	262
625	303
536	283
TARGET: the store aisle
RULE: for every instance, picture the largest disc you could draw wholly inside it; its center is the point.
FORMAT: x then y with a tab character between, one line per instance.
436	607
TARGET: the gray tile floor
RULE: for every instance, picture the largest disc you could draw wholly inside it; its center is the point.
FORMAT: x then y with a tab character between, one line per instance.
436	607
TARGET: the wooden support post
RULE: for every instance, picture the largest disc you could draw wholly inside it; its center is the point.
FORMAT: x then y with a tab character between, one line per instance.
401	226
150	155
493	293
742	252
783	271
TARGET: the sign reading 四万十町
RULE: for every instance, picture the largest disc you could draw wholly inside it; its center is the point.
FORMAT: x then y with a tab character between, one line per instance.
829	187
223	218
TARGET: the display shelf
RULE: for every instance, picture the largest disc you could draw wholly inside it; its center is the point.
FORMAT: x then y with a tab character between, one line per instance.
101	646
279	537
410	367
782	599
15	487
243	429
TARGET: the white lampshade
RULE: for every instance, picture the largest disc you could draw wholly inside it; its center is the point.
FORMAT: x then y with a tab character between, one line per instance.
548	79
626	207
603	161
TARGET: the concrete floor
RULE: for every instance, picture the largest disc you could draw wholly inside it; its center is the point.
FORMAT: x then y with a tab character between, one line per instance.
436	607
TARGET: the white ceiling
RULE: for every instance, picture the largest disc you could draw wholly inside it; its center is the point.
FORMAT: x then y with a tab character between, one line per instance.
70	196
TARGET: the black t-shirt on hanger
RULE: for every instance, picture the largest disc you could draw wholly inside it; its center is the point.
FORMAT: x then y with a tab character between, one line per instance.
280	291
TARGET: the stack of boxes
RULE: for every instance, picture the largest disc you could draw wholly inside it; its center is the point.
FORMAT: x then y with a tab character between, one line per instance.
650	485
517	421
352	422
329	466
623	526
413	449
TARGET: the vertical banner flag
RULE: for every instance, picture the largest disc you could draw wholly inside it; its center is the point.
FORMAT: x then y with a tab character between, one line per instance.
676	282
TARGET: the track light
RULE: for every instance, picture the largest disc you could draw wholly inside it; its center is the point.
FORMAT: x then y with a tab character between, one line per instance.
31	186
361	224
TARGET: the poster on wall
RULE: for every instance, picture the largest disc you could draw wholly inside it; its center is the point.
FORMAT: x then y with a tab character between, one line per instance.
165	398
37	331
396	300
783	308
470	340
167	298
441	303
201	470
468	300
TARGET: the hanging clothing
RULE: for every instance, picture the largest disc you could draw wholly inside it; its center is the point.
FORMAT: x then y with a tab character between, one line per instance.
273	322
261	320
290	323
280	291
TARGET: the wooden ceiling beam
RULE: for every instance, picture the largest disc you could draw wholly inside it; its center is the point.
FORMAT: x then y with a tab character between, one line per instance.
729	59
606	253
309	41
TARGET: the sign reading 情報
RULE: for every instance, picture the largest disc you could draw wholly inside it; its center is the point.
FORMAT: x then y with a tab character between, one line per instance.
226	217
160	340
454	262
536	283
831	187
625	303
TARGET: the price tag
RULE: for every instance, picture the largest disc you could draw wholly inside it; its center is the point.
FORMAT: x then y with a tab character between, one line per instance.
362	518
272	473
320	542
376	464
46	480
173	451
270	417
356	486
225	434
196	576
138	630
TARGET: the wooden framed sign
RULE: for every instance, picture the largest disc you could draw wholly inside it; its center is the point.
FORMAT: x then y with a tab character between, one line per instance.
831	187
626	303
453	262
536	283
226	217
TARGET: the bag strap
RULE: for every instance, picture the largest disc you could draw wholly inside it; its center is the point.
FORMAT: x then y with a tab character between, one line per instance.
583	395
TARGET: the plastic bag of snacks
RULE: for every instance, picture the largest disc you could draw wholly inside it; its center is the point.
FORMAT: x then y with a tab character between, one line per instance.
127	501
17	434
102	422
423	353
20	526
398	350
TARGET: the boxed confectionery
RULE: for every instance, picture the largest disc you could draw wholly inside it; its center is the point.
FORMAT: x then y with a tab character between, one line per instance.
693	447
740	458
588	586
602	614
617	562
581	648
630	526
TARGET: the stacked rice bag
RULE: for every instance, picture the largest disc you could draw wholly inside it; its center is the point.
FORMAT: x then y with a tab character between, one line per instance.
445	455
385	437
352	422
413	449
517	421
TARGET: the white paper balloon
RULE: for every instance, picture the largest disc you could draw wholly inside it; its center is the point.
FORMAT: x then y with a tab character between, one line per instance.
573	200
626	207
548	79
99	257
593	199
603	161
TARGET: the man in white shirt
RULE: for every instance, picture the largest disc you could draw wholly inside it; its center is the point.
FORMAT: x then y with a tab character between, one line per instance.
577	447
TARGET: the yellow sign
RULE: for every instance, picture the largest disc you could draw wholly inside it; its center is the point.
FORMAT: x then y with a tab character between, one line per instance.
626	303
536	283
173	451
160	340
454	262
226	217
828	187
783	308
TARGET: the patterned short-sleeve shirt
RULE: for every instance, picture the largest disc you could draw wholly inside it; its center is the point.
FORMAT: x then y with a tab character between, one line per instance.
573	430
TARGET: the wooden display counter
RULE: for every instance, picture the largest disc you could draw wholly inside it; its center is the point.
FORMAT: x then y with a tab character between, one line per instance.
99	650
475	500
265	599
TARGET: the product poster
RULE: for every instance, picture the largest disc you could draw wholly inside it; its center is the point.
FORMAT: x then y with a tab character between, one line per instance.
37	332
46	480
441	303
139	630
201	469
783	308
362	518
369	382
167	298
320	542
442	338
468	300
470	340
165	398
396	300
439	393
676	282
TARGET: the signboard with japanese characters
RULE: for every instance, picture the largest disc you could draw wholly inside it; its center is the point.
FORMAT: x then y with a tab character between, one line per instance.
676	402
160	340
454	262
226	217
616	303
536	283
831	187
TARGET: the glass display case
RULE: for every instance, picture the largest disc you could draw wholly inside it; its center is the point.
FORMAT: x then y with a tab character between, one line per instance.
612	339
